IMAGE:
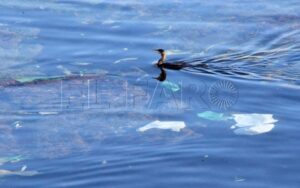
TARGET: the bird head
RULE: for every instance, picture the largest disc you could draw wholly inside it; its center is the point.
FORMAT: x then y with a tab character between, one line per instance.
161	51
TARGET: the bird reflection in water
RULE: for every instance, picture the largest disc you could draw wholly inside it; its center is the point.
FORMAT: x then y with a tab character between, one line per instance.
195	65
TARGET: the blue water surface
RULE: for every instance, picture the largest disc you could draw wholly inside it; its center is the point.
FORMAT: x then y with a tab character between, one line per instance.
77	89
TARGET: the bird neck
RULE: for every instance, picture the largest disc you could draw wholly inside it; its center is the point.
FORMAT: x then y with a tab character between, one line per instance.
163	58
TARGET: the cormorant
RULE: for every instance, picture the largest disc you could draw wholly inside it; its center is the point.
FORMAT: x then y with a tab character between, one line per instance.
162	76
161	62
174	66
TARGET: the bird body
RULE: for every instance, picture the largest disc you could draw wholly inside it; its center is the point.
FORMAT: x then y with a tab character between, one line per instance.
173	66
162	76
162	64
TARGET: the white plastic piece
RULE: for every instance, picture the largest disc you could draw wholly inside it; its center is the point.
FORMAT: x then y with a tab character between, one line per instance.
172	125
253	124
23	168
125	59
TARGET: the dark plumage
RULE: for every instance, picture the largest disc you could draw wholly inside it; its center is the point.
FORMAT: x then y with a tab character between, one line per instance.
162	76
161	62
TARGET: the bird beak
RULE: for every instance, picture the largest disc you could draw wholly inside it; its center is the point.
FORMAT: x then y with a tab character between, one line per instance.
156	50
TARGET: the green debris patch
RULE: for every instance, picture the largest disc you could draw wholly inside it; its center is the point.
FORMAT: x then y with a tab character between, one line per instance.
26	80
171	86
213	116
13	159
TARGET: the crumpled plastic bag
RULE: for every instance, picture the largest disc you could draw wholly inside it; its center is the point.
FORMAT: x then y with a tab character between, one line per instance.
253	124
172	125
213	116
245	124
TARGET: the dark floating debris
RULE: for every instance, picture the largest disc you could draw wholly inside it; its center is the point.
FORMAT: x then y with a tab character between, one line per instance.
45	79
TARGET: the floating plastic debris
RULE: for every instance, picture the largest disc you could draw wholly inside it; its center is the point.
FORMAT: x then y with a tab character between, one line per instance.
81	63
24	80
22	172
253	124
28	79
14	159
108	22
172	125
237	179
126	59
204	158
171	86
246	124
213	116
23	168
17	124
48	113
64	69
